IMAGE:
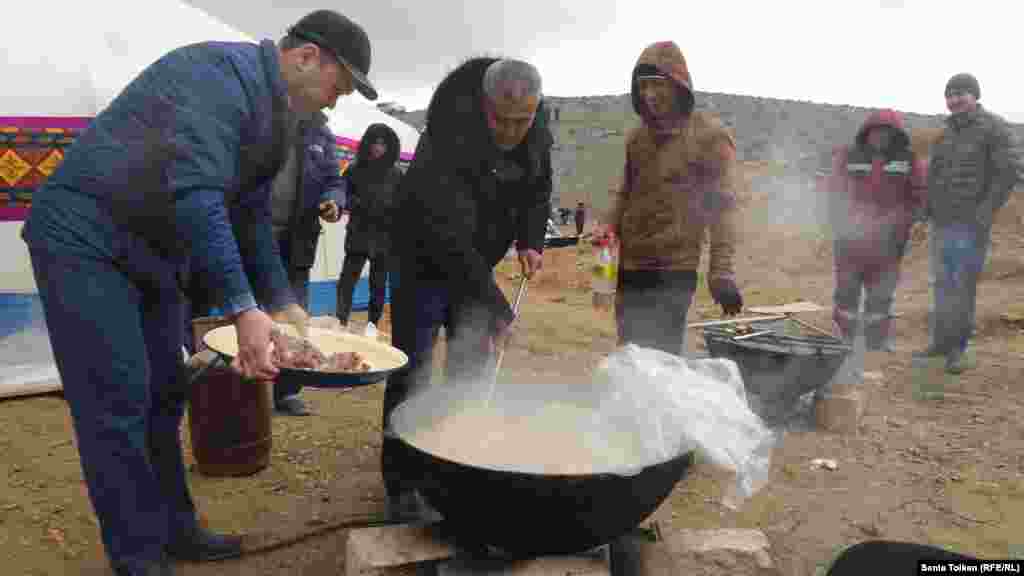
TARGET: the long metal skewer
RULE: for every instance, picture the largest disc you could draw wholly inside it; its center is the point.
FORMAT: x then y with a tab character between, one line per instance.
515	310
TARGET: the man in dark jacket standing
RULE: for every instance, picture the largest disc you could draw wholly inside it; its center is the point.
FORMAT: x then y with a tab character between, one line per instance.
308	187
146	190
973	169
481	179
372	181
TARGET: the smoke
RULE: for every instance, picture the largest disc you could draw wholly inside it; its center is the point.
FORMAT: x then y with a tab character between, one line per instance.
788	178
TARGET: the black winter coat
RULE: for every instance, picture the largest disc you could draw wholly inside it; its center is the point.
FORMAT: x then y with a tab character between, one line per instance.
459	211
372	188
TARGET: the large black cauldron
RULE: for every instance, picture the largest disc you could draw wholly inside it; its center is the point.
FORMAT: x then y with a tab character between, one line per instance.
526	515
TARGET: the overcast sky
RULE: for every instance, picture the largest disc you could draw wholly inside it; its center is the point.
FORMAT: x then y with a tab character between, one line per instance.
879	53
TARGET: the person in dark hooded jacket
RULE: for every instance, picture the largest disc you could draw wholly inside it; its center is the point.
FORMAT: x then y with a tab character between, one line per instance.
372	183
875	190
480	180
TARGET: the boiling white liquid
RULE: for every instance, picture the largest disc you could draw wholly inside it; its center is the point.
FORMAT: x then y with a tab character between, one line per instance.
558	438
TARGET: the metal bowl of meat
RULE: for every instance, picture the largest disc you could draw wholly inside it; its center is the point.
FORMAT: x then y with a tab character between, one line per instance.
323	359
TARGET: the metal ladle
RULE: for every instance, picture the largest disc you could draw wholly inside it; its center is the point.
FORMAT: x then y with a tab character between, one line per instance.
501	351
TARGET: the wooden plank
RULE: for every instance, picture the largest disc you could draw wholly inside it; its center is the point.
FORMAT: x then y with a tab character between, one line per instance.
544	566
370	551
737	321
810	326
800	307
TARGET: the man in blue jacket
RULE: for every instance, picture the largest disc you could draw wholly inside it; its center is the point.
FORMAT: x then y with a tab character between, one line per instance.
145	190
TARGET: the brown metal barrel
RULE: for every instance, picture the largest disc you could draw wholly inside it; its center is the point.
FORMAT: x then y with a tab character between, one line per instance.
229	418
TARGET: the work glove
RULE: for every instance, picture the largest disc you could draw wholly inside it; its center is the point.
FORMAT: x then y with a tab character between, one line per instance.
726	294
531	262
294	315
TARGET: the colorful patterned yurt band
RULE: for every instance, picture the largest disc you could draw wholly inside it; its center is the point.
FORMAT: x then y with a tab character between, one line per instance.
31	148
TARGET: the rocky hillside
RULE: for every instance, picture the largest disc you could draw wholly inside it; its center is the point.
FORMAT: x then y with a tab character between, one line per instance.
793	137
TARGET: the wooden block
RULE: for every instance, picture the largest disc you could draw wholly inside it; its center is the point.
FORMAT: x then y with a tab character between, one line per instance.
839	413
801	306
751	543
369	551
544	566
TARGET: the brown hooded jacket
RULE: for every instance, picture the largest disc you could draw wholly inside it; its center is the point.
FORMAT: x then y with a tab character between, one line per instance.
680	182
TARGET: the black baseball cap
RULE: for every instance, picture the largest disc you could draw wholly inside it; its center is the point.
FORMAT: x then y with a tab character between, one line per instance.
344	39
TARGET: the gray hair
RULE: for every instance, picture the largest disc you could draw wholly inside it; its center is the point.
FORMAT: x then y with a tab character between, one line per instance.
511	79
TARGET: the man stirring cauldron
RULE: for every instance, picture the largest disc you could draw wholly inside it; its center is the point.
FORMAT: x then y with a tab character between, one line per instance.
147	188
481	179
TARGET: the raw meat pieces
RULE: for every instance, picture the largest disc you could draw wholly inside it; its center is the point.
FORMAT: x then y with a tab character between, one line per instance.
291	352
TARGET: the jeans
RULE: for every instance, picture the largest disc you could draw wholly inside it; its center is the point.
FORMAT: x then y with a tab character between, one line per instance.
962	252
419	310
934	269
350	272
654	306
116	329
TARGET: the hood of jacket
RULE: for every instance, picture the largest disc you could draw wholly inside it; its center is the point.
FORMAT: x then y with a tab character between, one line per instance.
885	119
668	59
457	119
390	157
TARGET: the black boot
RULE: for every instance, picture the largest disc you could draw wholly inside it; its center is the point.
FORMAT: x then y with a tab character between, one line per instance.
956	363
932	351
160	568
201	545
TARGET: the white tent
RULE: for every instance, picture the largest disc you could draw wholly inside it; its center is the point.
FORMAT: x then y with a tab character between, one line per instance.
61	74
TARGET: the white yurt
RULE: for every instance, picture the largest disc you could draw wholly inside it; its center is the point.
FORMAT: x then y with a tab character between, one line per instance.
56	78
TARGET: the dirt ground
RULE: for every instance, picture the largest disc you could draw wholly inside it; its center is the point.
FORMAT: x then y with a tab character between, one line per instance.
944	469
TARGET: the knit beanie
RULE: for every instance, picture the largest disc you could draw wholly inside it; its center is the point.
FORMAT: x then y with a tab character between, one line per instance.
964	82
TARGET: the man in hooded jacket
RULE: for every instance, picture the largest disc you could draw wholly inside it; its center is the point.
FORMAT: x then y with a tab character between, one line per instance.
372	183
875	189
679	184
480	180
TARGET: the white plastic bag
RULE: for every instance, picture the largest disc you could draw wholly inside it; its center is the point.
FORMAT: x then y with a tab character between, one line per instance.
680	404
